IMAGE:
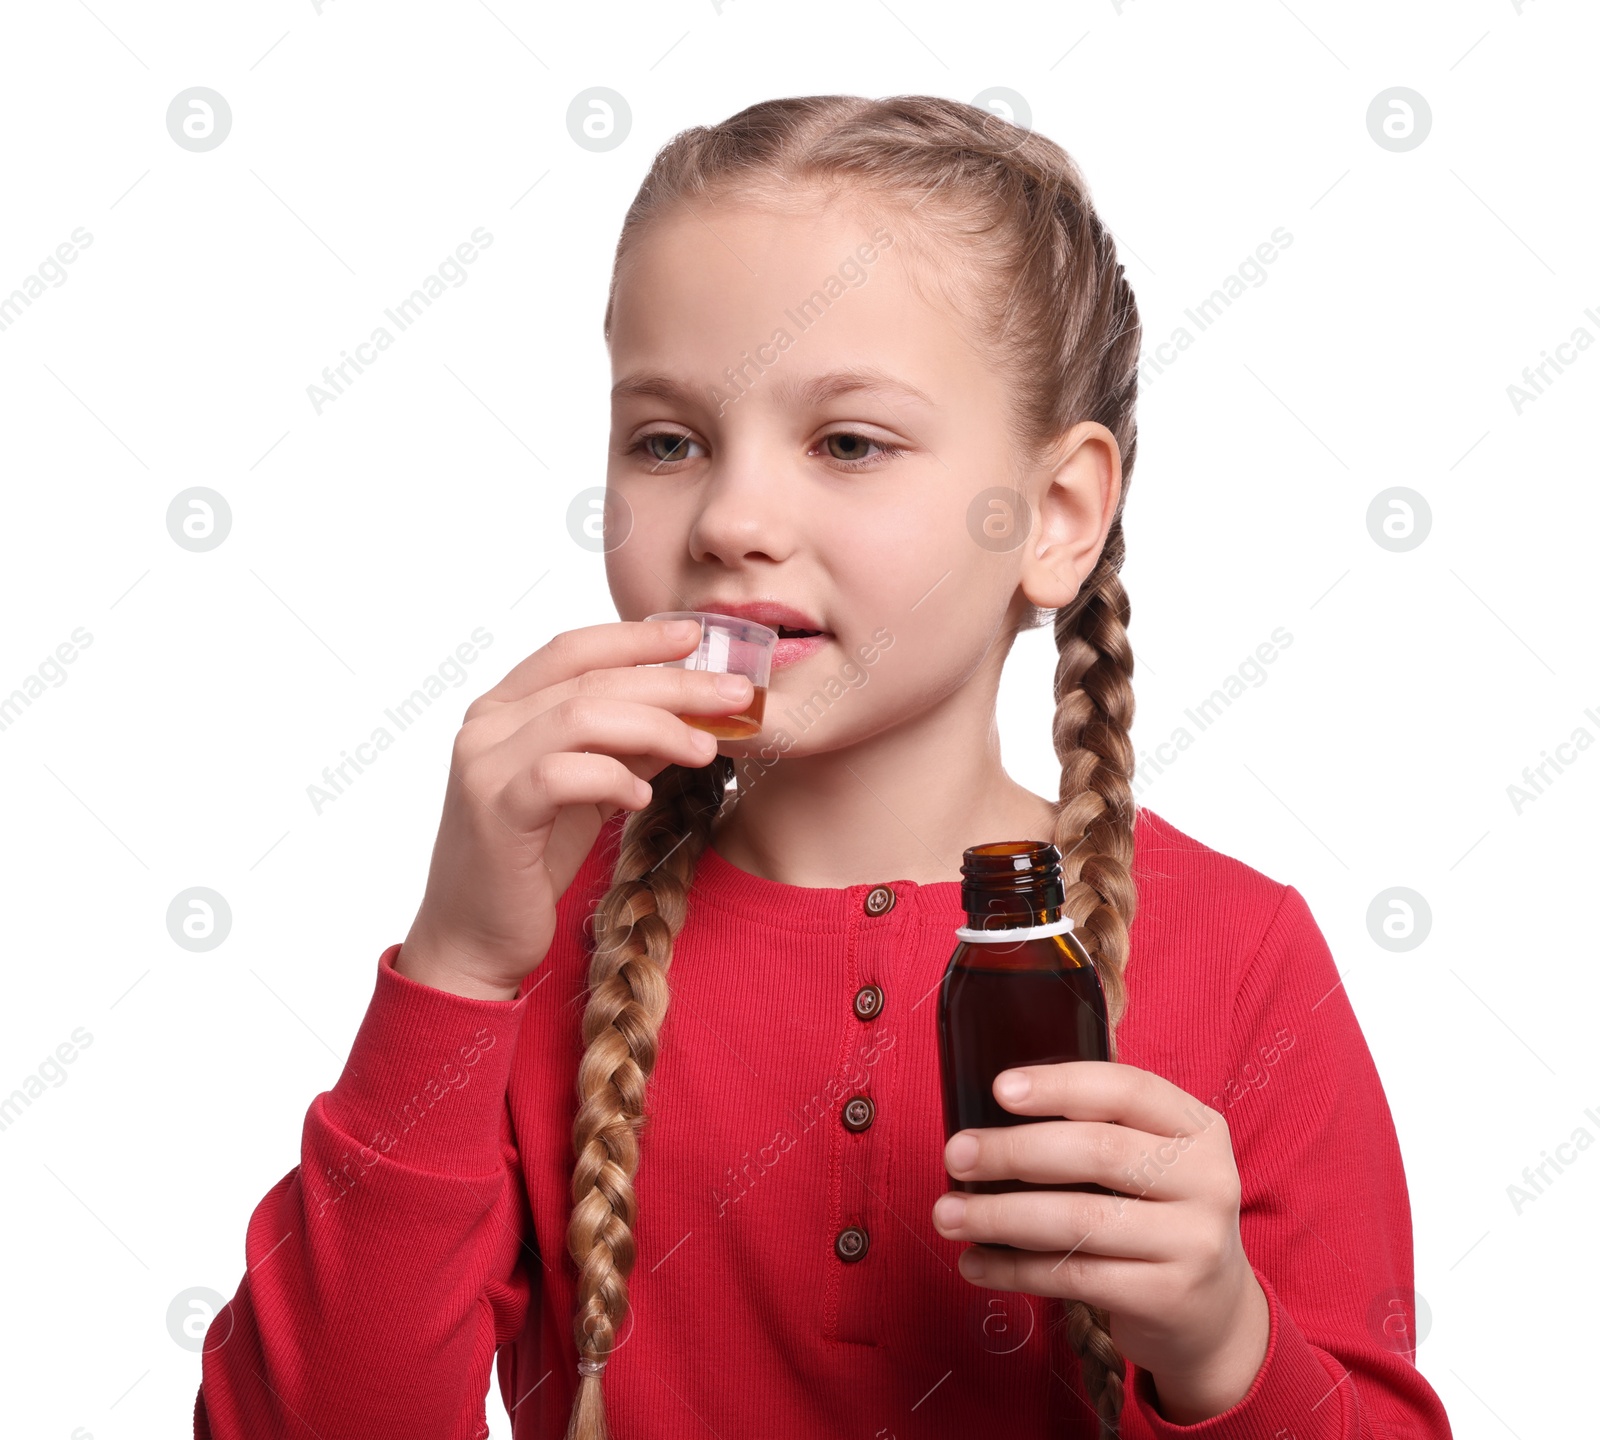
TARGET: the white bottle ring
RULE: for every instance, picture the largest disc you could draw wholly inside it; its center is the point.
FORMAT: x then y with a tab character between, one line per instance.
1019	932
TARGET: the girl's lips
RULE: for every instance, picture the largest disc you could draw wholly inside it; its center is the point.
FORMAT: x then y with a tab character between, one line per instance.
791	649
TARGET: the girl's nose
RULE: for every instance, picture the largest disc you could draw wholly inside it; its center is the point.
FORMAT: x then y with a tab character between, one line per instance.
742	512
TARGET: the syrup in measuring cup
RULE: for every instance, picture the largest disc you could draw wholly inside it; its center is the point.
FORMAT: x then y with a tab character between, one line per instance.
735	646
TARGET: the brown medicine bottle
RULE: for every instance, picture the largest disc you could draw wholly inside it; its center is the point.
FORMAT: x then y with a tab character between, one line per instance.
1026	999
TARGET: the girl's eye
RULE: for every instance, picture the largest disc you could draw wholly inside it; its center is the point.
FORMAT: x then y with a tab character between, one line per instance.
848	448
674	447
854	447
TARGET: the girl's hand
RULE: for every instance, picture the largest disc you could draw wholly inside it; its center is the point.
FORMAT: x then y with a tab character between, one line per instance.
1163	1257
540	763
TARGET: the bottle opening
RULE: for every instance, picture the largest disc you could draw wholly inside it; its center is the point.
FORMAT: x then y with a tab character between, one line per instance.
1012	882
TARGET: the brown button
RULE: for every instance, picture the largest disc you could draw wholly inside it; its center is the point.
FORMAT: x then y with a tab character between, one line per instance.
858	1113
850	1244
879	901
869	1000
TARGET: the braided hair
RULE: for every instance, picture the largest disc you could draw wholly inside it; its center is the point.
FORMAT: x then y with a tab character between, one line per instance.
1003	216
634	925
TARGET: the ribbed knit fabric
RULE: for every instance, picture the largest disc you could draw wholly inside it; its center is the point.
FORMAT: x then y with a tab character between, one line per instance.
424	1230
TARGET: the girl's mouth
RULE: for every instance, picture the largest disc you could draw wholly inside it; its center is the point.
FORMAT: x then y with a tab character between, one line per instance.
794	645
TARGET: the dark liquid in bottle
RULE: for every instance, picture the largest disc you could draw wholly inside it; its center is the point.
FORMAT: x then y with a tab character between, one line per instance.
993	1020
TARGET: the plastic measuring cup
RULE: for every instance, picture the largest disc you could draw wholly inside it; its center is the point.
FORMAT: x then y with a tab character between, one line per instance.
739	647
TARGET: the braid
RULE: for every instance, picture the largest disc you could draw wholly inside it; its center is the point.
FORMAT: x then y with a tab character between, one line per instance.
634	926
1094	832
1091	730
1094	823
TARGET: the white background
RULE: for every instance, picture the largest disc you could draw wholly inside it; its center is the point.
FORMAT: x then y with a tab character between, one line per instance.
367	542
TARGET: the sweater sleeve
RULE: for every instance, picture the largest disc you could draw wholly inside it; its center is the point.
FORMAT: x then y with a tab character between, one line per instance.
384	1271
1324	1217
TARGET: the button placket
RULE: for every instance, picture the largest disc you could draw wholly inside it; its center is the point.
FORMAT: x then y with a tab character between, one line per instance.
861	1141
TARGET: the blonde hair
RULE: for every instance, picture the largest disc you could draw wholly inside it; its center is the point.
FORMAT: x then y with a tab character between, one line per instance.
1006	212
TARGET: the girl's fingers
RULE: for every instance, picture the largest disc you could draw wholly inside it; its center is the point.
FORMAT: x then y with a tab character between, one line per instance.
1110	1284
668	687
1109	1090
613	727
534	796
1065	1152
1056	1220
591	647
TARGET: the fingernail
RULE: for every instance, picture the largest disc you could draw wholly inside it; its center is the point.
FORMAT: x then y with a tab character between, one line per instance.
684	629
1012	1085
949	1210
962	1151
732	686
972	1264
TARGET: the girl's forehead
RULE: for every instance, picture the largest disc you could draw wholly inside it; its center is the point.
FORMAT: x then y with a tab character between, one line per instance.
702	291
754	248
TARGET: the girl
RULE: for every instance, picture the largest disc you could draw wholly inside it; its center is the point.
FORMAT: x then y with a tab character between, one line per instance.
875	369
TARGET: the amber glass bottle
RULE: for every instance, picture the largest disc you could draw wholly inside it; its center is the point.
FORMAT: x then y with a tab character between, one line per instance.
1024	999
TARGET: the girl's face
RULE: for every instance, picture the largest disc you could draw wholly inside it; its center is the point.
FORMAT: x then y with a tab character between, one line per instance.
793	422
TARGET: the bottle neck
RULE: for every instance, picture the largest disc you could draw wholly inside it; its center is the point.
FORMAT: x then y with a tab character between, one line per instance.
1012	884
1011	917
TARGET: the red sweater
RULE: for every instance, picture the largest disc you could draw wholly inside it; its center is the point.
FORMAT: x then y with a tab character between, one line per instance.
424	1232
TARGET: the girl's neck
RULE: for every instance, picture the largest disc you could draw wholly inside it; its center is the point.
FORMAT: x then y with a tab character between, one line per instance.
780	857
901	804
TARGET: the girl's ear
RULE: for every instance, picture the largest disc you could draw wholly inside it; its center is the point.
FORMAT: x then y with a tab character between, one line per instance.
1075	503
